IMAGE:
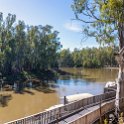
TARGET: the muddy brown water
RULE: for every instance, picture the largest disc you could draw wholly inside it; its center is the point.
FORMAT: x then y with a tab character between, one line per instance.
26	104
83	80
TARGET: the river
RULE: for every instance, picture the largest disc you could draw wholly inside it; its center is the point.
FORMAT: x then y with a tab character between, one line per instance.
85	80
76	81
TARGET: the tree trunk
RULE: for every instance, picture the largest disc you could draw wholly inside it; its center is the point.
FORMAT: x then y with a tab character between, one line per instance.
120	89
120	59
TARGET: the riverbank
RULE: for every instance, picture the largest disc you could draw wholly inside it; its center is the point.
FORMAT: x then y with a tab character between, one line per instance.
42	78
28	79
112	68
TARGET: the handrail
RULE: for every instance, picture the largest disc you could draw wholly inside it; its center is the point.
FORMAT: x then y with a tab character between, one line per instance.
48	117
78	110
106	108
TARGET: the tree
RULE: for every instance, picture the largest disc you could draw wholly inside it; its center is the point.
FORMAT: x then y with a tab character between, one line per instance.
25	48
105	22
87	57
66	58
77	58
6	36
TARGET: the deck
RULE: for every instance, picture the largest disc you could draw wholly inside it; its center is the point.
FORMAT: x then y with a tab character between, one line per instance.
77	112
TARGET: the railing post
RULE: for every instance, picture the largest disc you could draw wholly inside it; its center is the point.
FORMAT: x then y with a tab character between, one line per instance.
100	111
65	100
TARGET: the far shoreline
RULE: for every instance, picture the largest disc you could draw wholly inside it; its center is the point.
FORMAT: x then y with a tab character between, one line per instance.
90	68
116	68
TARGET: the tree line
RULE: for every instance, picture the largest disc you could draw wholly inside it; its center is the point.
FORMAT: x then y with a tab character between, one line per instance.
26	48
88	57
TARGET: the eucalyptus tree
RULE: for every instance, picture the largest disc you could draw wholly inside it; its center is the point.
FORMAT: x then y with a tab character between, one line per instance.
66	59
52	48
20	46
44	45
104	20
32	39
77	58
87	57
6	36
26	48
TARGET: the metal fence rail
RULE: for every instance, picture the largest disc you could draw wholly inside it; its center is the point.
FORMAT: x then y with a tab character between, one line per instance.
93	116
57	114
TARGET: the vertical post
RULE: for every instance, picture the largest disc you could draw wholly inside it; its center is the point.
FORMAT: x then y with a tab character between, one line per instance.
100	112
65	101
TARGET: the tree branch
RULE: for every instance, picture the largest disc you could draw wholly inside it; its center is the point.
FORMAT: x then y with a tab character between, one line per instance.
83	20
91	11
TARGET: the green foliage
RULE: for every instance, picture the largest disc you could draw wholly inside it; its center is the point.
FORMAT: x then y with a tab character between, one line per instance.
88	57
77	59
26	48
102	19
65	58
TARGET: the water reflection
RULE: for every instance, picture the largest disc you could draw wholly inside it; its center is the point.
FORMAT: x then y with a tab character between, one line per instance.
84	80
73	86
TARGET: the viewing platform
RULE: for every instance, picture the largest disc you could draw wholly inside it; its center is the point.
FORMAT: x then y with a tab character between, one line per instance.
84	111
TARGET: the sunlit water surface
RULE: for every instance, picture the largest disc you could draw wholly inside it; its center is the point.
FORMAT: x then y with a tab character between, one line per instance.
85	81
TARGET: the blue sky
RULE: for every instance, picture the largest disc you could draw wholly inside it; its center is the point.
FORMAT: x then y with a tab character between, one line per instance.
57	13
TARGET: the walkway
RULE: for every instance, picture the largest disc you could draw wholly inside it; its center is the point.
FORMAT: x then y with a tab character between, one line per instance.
83	113
69	112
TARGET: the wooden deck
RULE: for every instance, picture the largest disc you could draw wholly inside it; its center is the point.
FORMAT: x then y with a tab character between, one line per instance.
69	113
94	113
89	115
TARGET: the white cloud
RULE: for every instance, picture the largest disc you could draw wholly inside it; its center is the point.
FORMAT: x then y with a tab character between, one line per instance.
73	27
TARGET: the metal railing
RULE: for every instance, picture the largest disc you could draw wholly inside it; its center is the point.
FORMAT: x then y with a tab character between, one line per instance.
55	115
94	116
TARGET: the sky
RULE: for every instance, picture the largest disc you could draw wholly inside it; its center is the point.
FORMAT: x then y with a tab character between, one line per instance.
57	13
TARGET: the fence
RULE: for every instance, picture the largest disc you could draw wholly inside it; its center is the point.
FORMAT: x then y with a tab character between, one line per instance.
57	114
95	115
92	116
